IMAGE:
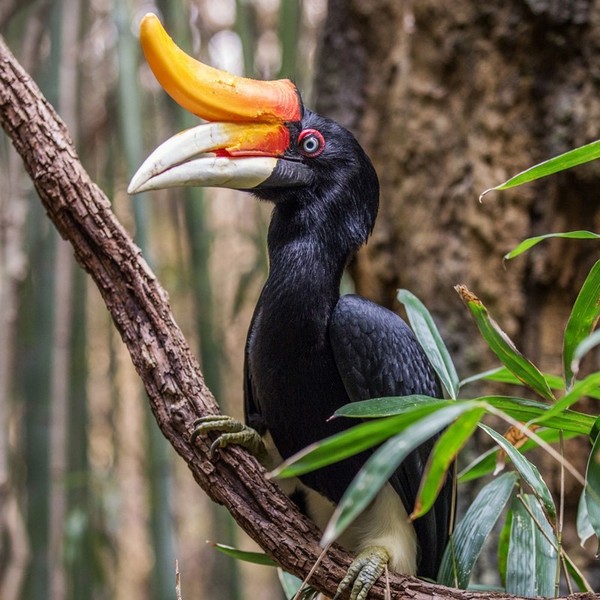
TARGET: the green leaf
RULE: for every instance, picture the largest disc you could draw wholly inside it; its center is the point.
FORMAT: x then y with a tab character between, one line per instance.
503	347
526	410
499	374
527	470
532	558
585	346
431	341
503	375
519	408
291	584
388	406
503	542
562	162
445	450
533	241
595	431
381	465
485	463
577	575
257	558
350	442
583	388
584	528
546	560
473	530
591	492
583	319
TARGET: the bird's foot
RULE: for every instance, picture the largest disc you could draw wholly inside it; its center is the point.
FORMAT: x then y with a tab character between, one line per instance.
364	571
232	432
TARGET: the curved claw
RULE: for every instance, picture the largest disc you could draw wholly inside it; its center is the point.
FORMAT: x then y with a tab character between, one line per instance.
232	432
364	571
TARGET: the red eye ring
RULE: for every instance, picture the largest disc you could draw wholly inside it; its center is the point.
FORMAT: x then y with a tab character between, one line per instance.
311	143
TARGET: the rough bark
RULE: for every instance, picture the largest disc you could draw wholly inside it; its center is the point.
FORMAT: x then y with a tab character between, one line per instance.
140	309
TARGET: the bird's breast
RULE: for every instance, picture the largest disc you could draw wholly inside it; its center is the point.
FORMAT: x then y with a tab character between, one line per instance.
294	377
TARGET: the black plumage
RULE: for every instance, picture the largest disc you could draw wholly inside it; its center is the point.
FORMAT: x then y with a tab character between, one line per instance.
310	351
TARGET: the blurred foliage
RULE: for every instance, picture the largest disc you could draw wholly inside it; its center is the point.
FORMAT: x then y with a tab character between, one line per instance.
94	503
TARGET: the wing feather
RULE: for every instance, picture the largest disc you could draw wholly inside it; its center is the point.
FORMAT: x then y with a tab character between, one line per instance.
377	355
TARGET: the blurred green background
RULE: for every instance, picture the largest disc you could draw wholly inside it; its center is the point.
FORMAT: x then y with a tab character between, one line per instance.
93	501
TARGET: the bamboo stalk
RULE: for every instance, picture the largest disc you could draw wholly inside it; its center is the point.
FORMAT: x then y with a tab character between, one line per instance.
158	456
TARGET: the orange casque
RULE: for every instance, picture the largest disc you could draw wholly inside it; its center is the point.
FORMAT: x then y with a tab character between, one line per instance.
210	93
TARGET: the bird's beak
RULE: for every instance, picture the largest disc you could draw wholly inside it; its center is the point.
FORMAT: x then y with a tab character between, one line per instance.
248	129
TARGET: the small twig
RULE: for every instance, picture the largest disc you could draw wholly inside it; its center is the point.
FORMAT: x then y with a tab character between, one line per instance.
560	550
310	573
177	581
561	515
453	501
566	570
537	522
538	440
388	591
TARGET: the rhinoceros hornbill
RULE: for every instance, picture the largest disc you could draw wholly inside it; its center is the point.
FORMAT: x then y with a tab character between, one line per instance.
309	351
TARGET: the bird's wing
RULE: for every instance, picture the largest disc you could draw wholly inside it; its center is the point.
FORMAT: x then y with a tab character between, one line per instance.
252	413
377	355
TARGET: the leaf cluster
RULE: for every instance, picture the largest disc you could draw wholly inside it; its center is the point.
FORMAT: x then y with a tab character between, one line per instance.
531	557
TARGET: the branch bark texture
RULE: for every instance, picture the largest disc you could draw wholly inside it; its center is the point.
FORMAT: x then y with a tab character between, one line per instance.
140	309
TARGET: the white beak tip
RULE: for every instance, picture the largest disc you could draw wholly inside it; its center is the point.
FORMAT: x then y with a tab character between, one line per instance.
137	184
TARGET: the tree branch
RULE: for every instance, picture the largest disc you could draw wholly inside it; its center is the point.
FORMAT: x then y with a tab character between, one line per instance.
140	309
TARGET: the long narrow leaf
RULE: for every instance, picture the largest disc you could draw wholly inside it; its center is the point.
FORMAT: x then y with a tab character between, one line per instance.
519	408
585	346
444	452
546	545
529	410
431	341
533	241
532	559
503	347
503	543
583	319
591	384
561	162
577	576
503	375
257	558
527	470
520	564
388	406
584	528
382	464
291	584
591	491
473	530
485	463
350	442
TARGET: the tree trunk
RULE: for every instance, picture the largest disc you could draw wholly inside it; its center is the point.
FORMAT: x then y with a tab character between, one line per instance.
140	310
450	99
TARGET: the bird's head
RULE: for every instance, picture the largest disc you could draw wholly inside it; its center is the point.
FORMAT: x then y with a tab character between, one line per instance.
258	137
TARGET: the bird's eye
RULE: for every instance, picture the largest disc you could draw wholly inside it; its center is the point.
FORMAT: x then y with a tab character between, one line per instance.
311	143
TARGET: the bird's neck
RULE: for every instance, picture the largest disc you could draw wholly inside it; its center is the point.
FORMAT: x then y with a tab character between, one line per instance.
301	272
305	269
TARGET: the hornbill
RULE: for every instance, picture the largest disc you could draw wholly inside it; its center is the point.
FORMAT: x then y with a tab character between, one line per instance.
309	350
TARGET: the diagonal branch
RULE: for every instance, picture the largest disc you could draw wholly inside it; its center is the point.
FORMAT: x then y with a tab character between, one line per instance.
140	309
